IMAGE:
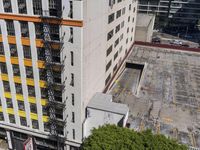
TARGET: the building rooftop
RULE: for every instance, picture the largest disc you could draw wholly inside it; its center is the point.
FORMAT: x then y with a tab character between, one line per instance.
104	102
162	89
143	20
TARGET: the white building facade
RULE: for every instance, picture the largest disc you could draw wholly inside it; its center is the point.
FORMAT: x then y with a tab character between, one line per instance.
54	56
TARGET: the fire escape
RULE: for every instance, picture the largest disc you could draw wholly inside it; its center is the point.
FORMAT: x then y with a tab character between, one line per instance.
53	45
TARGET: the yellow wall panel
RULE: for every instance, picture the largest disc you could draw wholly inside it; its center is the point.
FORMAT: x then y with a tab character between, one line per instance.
22	113
10	111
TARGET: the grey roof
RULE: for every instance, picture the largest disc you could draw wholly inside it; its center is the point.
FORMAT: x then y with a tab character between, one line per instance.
143	20
104	102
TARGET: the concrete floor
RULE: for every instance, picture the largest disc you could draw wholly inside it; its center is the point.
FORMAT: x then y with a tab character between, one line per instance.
168	95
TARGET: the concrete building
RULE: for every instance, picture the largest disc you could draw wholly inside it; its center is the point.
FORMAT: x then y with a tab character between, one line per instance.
144	27
180	13
55	55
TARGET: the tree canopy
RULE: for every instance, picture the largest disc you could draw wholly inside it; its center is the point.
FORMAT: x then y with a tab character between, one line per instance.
111	137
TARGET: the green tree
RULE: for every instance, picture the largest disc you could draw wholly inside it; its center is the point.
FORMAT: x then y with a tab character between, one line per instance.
111	137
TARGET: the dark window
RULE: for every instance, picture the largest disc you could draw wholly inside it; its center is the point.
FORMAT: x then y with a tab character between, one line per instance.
119	12
9	103
16	70
18	88
1	49
7	6
33	108
23	121
22	6
72	99
71	37
3	68
108	65
29	72
27	52
117	28
72	79
37	7
115	56
72	58
6	86
1	116
38	30
116	42
35	124
31	91
41	53
110	35
109	50
21	105
73	117
108	79
11	118
24	29
13	50
111	18
10	27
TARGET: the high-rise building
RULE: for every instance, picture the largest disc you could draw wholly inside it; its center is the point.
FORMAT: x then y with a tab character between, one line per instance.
54	56
178	13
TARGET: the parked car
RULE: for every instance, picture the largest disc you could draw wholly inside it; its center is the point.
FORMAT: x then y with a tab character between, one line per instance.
156	40
176	42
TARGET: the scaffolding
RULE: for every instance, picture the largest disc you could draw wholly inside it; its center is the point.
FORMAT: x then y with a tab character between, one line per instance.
50	41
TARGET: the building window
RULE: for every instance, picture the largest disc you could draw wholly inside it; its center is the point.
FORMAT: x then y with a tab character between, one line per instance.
22	6
72	99
72	79
122	24
117	28
1	49
108	79
115	68
71	37
71	9
10	27
111	18
116	42
108	65
73	133
37	7
3	68
31	91
13	50
119	12
24	29
18	88
6	86
72	58
54	32
130	7
41	53
73	117
43	93
55	8
33	108
110	35
46	127
38	30
35	124
11	118
115	56
23	121
109	50
42	74
1	116
9	103
123	11
29	72
129	19
16	70
21	105
7	6
44	110
27	52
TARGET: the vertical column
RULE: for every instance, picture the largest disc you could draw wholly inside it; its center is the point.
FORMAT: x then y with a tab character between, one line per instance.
9	140
36	74
29	4
14	6
1	6
22	72
10	72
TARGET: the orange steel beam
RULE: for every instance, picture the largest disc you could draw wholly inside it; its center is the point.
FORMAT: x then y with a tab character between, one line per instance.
37	19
